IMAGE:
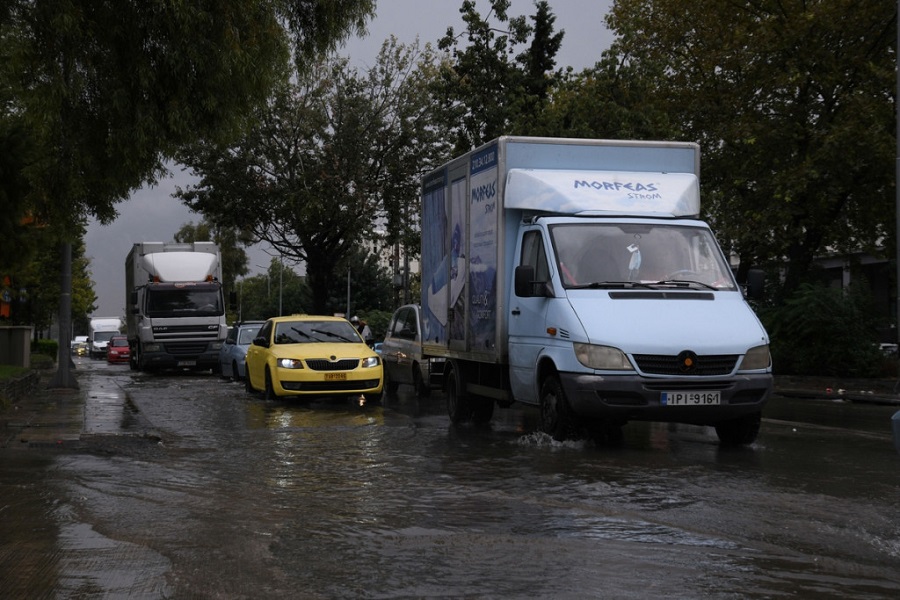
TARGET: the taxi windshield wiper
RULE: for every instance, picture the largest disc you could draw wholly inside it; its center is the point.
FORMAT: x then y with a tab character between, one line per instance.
330	334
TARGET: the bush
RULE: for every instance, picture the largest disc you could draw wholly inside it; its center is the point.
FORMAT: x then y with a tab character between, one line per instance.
46	347
825	331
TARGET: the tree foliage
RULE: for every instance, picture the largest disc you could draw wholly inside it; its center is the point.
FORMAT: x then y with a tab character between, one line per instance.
822	330
496	82
792	103
334	155
106	89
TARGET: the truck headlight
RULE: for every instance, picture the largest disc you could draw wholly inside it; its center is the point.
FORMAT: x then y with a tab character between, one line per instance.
289	363
152	347
756	359
369	362
602	358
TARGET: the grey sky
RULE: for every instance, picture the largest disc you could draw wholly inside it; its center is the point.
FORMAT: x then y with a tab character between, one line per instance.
151	214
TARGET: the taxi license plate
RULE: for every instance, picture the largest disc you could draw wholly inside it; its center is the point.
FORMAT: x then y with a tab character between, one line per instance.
690	398
335	376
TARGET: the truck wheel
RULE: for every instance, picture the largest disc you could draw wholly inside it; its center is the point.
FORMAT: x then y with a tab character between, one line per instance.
740	431
482	410
556	415
270	387
458	406
422	388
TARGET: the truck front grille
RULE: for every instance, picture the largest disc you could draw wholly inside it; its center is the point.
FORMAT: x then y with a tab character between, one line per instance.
185	348
706	366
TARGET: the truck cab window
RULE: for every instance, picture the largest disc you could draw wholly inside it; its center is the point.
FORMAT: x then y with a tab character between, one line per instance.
533	254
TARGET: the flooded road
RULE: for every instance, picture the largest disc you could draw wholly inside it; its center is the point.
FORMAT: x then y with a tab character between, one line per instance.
231	496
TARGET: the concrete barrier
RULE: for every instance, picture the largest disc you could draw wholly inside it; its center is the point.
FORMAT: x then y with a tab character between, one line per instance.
15	346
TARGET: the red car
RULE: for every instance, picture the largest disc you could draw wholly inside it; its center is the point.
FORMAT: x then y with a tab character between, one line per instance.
118	351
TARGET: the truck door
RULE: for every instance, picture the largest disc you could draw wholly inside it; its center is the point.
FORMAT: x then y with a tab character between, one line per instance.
527	320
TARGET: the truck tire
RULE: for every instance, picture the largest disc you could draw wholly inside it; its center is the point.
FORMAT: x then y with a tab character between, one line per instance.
556	415
739	432
482	410
459	407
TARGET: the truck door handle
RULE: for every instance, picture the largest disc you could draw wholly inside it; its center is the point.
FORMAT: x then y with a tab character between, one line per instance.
516	312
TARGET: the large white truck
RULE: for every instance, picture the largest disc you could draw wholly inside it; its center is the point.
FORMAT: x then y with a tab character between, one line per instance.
100	330
175	309
575	275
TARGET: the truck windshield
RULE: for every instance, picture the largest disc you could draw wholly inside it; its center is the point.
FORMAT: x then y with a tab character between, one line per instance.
181	301
593	255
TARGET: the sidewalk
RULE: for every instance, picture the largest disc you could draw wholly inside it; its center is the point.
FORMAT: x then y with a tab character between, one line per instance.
65	418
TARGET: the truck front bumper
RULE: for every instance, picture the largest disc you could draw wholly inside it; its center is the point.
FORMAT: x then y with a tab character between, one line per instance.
634	398
207	359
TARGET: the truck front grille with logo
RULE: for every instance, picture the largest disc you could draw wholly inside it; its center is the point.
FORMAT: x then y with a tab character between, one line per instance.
702	366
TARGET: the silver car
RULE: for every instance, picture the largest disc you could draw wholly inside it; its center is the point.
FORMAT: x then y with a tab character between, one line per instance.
234	350
401	353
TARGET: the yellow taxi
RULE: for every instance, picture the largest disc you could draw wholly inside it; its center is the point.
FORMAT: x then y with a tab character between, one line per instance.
304	355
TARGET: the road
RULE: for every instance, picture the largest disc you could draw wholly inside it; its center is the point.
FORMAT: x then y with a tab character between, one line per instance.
208	492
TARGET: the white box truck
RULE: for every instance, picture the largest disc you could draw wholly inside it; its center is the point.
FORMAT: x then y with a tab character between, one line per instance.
176	311
574	275
100	330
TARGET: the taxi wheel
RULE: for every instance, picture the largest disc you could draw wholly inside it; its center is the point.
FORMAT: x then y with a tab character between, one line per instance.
270	387
249	387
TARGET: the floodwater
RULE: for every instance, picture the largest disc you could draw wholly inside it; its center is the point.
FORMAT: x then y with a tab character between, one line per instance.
219	494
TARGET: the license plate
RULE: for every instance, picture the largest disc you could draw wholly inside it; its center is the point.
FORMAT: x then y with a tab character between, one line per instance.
187	363
690	398
335	376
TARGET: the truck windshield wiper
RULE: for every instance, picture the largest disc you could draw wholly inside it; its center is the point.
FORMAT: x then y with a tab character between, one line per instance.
597	285
684	282
329	334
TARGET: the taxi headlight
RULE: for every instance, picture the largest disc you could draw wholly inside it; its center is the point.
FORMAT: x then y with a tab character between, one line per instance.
370	361
756	359
289	363
602	358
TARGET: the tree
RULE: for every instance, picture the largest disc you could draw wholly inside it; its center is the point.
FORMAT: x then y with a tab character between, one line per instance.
792	103
485	89
333	155
106	90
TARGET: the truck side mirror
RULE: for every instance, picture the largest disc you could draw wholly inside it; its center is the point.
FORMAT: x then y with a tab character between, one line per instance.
756	284
232	300
133	298
524	281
